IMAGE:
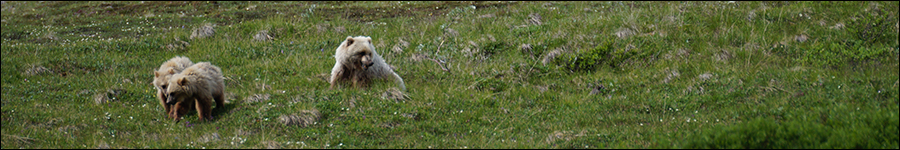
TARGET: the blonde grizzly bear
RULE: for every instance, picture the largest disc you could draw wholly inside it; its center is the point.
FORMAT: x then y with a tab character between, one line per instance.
357	62
201	83
161	77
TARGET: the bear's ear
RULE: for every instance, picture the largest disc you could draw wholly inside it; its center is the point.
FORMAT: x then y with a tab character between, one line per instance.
182	81
155	74
369	39
349	40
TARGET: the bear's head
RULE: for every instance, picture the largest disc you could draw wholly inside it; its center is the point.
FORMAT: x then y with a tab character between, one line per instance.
178	90
161	80
359	51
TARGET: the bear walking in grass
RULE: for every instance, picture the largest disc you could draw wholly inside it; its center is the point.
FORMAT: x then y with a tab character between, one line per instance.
199	84
162	75
357	63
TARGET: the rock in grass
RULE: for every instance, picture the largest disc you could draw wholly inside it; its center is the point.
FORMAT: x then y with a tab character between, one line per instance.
262	36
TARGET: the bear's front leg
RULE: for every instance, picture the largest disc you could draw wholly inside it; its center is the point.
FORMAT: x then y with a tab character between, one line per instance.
162	101
174	113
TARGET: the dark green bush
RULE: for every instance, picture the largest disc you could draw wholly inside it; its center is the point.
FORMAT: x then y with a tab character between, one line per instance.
867	131
491	84
494	48
586	60
873	27
604	54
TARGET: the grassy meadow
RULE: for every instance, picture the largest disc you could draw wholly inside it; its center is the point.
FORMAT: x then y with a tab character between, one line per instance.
481	74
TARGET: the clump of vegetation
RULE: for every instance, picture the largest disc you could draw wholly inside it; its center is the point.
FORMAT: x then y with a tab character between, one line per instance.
873	27
491	84
840	131
604	54
495	47
870	41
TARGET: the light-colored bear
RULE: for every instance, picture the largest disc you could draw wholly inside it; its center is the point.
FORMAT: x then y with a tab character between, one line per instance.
161	78
357	62
201	83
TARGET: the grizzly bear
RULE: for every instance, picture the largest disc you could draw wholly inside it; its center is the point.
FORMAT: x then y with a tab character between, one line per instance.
201	83
162	75
357	62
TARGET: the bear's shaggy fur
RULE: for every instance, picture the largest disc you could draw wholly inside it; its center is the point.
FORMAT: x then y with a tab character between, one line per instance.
162	75
357	62
201	83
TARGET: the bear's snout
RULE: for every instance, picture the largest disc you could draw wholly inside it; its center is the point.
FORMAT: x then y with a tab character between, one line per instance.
170	100
367	61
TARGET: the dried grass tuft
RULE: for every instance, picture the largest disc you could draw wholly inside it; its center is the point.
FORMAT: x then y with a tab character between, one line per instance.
303	119
203	31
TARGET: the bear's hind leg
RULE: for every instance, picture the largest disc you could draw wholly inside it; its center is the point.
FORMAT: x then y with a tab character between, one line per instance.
203	107
220	99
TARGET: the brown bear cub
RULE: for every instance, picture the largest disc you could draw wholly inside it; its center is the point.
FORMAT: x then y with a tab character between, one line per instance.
161	78
357	62
201	83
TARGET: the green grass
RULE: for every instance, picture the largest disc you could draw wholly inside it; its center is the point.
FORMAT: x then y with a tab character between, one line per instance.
667	74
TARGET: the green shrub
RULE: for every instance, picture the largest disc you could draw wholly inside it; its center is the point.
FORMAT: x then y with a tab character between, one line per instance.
586	60
877	130
494	48
873	27
491	84
836	54
604	54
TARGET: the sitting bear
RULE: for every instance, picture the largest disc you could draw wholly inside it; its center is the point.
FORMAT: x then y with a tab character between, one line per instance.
357	62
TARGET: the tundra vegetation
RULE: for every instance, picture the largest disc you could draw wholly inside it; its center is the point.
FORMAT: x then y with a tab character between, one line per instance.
478	74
